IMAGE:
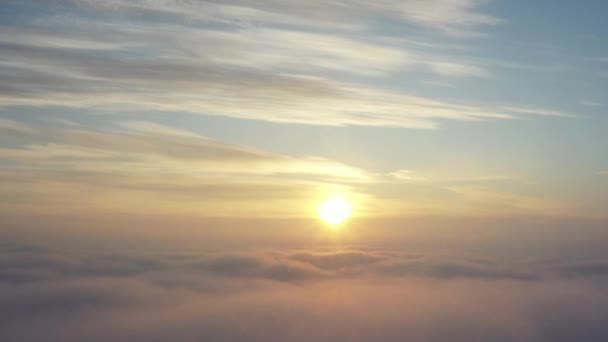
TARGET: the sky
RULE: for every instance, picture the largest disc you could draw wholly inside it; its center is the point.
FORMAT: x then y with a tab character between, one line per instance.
162	161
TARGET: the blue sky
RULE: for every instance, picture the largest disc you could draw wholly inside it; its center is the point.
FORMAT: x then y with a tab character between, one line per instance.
497	103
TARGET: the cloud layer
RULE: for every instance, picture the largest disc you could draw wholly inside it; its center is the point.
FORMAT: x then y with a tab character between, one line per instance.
243	59
134	166
295	294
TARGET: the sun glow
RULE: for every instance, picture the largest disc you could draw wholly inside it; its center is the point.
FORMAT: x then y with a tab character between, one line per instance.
334	210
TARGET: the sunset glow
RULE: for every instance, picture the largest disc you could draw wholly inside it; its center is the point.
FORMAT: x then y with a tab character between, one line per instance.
312	170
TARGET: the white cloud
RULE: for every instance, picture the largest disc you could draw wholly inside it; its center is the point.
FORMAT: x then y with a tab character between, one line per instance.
451	16
536	111
161	167
284	50
175	170
150	147
406	175
287	74
89	81
12	125
458	70
154	128
456	17
590	103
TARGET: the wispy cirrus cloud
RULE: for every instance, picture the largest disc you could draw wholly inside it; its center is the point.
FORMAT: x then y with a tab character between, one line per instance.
458	70
175	170
147	59
590	103
140	158
537	111
448	16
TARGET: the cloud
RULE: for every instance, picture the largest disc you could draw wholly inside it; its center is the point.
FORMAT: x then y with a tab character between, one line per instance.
406	175
134	165
591	103
240	59
144	142
336	261
537	111
453	269
53	170
8	125
201	57
267	295
284	265
147	127
597	268
458	70
85	80
453	17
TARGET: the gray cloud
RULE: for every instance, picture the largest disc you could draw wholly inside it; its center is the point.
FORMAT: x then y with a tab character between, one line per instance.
283	265
590	268
336	261
454	269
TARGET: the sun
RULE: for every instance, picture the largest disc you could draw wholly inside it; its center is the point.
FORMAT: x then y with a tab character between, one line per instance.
334	210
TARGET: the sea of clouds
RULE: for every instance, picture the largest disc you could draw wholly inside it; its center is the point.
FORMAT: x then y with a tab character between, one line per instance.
350	293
